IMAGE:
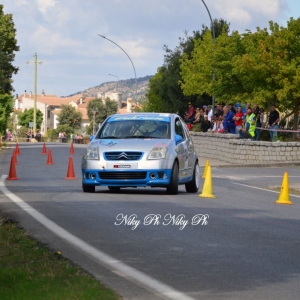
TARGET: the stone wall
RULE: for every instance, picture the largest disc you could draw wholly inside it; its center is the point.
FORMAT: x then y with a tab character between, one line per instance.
226	147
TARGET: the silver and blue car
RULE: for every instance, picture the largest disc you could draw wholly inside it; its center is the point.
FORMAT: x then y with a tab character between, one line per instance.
139	150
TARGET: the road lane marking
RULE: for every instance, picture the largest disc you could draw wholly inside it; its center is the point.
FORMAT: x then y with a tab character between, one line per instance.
109	261
258	188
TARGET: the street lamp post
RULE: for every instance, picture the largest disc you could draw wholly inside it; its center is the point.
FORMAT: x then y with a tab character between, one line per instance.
129	59
214	37
35	61
117	81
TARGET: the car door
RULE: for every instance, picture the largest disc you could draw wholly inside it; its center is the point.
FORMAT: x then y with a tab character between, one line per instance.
190	151
181	149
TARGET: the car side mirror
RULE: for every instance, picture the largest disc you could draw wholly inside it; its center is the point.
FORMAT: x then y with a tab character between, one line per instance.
178	138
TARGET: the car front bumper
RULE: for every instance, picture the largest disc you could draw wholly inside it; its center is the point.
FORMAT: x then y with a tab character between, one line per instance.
126	178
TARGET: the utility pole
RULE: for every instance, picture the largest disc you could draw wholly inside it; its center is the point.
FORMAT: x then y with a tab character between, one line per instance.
35	62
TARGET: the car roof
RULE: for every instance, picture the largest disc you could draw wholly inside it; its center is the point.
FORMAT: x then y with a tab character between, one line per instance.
144	114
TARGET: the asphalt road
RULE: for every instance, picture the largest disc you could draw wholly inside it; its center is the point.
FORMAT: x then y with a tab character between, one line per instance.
245	246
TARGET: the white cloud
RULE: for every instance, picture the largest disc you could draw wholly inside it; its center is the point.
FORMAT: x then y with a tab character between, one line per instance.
50	42
64	34
244	13
44	5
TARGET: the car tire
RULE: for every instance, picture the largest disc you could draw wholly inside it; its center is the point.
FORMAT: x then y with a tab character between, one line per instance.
193	186
114	188
88	188
172	188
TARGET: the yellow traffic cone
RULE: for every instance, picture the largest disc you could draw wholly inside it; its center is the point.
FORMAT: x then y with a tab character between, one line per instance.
207	186
284	196
205	169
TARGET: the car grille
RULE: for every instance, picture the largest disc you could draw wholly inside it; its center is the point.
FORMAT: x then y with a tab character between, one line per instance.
122	175
120	155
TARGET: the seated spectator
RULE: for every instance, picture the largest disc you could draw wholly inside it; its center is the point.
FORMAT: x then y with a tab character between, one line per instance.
218	126
191	113
205	125
198	116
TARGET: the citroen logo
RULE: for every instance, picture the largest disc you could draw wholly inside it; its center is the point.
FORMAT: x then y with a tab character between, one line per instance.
122	155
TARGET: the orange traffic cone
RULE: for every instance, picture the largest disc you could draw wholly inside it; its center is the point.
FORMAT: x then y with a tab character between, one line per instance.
15	157
44	149
49	161
17	149
12	171
70	173
72	149
207	190
284	196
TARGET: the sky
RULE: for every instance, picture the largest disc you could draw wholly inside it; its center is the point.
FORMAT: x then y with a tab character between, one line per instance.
64	34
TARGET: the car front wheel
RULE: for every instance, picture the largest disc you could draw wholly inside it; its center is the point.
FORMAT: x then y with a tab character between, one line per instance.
172	188
114	188
88	188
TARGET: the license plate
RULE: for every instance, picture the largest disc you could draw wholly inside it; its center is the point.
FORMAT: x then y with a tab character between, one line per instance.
121	166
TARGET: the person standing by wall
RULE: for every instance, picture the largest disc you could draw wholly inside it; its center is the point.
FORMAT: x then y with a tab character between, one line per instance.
238	118
273	122
257	112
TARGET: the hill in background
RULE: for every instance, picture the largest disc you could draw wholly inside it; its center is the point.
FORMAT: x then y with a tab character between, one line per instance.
125	87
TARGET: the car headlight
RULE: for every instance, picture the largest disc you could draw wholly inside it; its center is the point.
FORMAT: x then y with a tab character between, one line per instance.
158	153
92	153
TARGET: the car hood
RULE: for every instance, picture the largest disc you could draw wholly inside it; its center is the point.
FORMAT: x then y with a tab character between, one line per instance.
129	144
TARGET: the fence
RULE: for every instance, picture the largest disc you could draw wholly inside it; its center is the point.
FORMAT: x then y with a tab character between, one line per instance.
226	147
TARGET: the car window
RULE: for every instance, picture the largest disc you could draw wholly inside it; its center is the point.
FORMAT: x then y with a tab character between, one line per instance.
139	128
179	129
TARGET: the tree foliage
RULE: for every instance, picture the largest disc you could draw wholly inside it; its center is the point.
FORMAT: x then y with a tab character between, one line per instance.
8	45
165	93
27	116
6	106
69	115
101	110
259	67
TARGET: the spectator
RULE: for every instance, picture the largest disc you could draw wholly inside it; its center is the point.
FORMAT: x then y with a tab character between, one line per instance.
218	125
238	119
273	122
229	122
38	136
198	116
191	113
209	113
219	110
245	108
28	134
249	131
205	125
8	136
257	112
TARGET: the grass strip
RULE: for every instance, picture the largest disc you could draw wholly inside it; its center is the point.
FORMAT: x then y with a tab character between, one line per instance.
30	271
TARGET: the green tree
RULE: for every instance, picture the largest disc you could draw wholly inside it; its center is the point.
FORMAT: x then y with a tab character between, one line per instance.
260	67
6	106
165	93
27	116
12	121
101	111
69	115
8	45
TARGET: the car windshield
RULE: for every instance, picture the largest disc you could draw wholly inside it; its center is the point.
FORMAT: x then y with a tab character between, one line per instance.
134	128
